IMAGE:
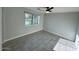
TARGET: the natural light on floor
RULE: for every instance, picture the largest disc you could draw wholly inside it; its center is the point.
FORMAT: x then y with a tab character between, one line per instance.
65	45
77	41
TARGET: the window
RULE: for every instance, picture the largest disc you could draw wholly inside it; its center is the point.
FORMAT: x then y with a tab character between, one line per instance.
31	19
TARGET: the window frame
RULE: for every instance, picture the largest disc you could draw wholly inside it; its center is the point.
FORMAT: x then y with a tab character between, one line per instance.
32	19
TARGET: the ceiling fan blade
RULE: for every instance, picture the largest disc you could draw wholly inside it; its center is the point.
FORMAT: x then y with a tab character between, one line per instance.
50	11
49	8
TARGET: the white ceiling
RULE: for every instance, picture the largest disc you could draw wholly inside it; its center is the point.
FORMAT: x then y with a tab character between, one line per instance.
58	9
66	9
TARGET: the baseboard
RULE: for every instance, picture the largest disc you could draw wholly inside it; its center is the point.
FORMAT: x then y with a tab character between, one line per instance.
59	35
21	35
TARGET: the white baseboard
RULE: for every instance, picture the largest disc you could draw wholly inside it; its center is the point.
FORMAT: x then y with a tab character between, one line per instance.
59	35
21	35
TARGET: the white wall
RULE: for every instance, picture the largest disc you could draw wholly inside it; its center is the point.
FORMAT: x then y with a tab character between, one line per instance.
13	22
0	28
62	24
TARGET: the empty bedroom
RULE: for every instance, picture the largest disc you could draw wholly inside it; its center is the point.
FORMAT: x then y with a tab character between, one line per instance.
40	28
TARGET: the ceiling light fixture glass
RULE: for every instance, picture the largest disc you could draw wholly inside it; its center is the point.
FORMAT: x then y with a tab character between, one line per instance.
47	12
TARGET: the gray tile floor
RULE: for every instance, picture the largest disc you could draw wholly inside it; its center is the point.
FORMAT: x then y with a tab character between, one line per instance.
39	41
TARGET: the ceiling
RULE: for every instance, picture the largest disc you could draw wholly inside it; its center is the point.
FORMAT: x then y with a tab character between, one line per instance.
57	9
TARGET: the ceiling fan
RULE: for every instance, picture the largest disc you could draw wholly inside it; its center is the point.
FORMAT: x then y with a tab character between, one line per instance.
46	9
49	9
